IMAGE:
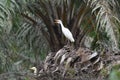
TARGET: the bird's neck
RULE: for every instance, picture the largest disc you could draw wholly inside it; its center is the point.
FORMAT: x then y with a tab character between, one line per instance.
35	71
61	24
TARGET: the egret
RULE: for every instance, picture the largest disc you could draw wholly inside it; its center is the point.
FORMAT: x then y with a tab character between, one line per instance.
35	70
65	31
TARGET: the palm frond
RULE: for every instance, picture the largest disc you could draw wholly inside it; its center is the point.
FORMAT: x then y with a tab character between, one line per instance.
104	12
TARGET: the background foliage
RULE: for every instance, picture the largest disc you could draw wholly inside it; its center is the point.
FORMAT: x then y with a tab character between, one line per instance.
28	32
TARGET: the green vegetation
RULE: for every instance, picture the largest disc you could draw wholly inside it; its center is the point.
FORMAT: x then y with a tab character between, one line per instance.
28	32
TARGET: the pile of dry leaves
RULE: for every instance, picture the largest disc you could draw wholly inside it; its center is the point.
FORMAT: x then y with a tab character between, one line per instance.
78	64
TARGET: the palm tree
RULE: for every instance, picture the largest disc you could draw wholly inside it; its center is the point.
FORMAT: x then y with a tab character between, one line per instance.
16	53
27	26
72	13
93	19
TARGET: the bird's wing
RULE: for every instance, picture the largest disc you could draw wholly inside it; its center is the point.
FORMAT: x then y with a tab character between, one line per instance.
68	34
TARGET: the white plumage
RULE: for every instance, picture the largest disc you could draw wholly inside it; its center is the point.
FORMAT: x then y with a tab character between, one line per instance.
65	31
35	70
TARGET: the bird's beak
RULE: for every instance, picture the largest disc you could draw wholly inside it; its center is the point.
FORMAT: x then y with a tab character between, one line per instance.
31	68
56	21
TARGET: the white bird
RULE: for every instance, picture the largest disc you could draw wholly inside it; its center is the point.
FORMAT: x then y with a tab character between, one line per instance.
35	70
65	31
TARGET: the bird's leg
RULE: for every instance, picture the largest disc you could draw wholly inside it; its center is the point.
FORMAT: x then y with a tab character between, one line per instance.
72	44
68	42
